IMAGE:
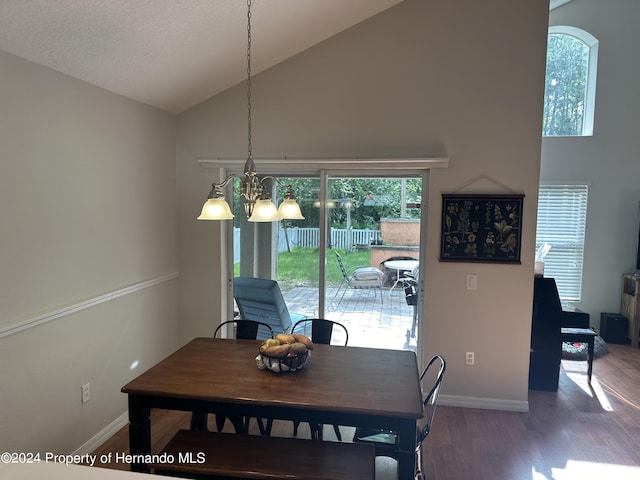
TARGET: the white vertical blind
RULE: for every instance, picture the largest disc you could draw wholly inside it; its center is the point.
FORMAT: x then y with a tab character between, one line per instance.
562	218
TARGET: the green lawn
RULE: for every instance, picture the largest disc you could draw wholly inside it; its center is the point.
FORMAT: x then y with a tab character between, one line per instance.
300	266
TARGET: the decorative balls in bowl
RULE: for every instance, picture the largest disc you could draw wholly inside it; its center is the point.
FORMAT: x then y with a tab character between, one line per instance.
285	353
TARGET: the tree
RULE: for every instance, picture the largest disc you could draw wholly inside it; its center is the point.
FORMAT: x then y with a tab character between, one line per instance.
565	85
352	192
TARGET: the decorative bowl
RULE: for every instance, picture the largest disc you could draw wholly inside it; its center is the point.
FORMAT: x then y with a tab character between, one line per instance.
290	363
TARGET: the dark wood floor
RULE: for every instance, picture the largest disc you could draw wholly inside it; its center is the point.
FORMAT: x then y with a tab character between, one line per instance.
579	432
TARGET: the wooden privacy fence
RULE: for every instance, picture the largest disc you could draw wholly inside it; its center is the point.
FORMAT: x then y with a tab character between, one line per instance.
310	238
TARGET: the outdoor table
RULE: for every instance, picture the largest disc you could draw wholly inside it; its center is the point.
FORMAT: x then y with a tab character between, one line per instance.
400	266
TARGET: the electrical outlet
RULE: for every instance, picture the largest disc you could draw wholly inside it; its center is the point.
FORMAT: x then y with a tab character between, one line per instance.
86	392
470	358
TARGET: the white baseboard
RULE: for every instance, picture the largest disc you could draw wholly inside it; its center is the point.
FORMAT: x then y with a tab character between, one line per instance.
484	403
103	435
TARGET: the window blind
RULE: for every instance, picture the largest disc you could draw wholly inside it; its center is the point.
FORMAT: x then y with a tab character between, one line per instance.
562	217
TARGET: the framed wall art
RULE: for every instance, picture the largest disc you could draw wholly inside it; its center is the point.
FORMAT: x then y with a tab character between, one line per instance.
481	228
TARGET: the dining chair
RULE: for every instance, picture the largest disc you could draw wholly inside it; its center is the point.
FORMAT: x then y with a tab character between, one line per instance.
327	332
386	441
261	299
244	330
359	278
322	331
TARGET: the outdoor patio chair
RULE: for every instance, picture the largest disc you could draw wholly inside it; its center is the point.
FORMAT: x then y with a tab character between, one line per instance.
359	278
413	274
410	284
260	299
385	441
246	330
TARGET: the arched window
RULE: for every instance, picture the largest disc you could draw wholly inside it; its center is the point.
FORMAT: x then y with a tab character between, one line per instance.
570	82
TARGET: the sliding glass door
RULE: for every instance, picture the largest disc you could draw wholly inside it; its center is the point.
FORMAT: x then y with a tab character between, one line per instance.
373	248
366	223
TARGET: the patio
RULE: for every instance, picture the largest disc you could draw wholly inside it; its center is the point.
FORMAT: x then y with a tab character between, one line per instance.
370	321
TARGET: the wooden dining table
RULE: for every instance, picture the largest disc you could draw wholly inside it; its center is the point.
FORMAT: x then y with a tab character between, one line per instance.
351	386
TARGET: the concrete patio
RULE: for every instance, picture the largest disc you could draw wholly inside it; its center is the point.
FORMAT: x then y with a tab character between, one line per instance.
370	320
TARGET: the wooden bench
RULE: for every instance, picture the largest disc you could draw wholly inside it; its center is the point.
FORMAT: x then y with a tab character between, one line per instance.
225	455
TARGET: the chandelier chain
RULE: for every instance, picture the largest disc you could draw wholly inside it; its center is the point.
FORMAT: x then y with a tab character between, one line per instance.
250	154
258	206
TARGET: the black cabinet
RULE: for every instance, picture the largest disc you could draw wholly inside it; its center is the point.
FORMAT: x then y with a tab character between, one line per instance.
546	344
546	347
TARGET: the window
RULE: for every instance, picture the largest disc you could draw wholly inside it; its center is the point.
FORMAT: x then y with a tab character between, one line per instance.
570	82
562	216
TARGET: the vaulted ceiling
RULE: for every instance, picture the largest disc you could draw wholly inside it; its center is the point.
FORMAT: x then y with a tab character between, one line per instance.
171	54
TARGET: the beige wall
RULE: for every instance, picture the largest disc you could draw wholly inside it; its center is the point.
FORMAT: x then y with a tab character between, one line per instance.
609	160
460	79
87	207
89	202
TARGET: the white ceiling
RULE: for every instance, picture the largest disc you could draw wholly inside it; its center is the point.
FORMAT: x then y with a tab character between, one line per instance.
171	54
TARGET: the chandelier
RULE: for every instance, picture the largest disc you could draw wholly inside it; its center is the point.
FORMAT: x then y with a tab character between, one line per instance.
255	191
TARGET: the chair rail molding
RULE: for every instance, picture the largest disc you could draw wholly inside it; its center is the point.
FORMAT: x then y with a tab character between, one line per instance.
37	320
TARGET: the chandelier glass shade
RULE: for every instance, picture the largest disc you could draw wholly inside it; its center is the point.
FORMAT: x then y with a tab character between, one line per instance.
258	206
290	209
216	209
255	191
